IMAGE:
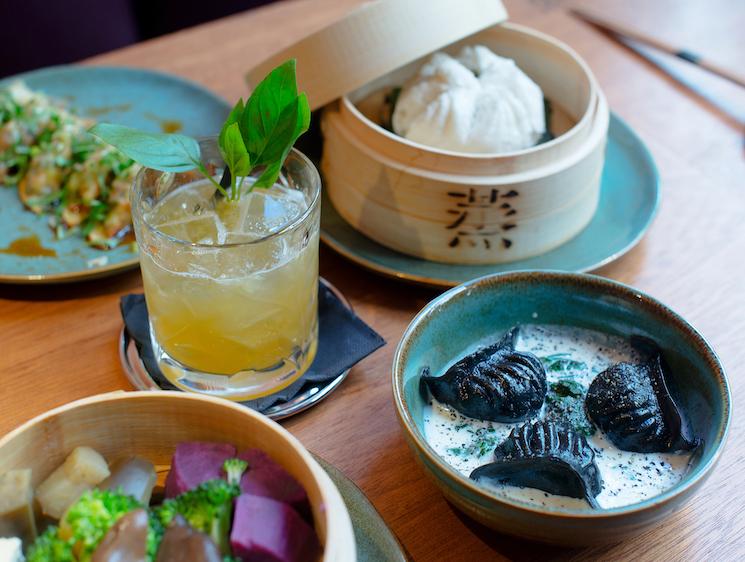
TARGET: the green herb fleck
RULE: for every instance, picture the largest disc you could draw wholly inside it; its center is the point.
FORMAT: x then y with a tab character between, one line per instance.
96	215
481	445
567	388
565	403
560	362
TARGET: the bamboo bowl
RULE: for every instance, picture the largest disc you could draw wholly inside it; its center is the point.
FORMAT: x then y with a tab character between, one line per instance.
151	424
472	208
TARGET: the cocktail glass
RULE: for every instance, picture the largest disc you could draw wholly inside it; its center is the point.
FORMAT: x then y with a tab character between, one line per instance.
231	287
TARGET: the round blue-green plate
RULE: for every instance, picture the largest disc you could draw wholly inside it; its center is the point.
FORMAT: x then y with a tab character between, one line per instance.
139	98
629	197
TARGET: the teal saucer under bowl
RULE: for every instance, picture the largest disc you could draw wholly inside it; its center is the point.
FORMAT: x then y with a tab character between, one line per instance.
629	197
375	541
488	307
136	97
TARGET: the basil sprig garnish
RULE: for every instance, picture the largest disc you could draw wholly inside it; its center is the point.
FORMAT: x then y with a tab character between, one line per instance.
259	133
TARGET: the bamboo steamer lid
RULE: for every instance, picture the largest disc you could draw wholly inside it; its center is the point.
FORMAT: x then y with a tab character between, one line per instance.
375	39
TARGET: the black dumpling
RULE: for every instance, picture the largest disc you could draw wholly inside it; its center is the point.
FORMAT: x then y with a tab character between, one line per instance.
546	456
495	383
631	403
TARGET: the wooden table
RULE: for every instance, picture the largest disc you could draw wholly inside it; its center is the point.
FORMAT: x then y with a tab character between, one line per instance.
59	343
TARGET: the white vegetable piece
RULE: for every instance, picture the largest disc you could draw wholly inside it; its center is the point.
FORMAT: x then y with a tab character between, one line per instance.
17	517
11	550
81	471
476	102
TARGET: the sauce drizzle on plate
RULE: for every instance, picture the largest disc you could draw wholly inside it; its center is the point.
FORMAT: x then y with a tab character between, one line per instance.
28	247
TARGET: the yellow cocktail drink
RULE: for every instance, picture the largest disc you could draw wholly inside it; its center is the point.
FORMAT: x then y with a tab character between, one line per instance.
231	286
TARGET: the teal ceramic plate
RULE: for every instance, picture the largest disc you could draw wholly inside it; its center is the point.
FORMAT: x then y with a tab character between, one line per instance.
629	198
375	541
139	98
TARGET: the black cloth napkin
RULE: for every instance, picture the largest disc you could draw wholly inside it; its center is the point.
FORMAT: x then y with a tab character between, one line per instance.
343	340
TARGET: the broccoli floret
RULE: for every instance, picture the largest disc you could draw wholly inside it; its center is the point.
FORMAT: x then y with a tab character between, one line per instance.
208	507
48	547
154	535
234	469
83	527
88	520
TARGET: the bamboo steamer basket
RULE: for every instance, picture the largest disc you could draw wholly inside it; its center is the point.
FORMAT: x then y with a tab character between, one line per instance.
472	208
151	424
441	205
563	76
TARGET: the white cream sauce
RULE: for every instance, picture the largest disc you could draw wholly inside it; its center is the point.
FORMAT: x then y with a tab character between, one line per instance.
467	443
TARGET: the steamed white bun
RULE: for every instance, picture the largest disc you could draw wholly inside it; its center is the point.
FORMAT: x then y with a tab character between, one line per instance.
476	102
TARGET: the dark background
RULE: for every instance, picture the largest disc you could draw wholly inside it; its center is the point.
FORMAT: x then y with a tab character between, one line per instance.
39	33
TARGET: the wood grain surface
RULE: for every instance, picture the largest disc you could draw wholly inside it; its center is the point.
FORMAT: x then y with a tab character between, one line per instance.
60	343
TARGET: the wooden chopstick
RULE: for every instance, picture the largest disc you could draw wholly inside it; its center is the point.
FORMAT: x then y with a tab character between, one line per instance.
686	55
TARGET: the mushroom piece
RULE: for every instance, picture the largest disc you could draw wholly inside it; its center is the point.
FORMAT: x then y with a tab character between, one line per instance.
126	541
133	476
182	543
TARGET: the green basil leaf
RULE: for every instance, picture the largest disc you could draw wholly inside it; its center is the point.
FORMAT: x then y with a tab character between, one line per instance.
236	112
234	151
292	123
234	117
263	112
269	176
284	134
167	153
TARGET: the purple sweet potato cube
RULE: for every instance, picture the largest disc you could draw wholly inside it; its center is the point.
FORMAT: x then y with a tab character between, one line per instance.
195	462
257	458
266	530
265	477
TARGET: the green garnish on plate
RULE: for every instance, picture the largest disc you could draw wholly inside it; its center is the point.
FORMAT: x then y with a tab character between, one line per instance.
561	362
482	443
257	134
565	404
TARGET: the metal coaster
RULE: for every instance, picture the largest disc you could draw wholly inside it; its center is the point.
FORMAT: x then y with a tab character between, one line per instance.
137	374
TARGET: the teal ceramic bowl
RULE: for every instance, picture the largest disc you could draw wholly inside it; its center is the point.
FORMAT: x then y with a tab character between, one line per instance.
489	306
